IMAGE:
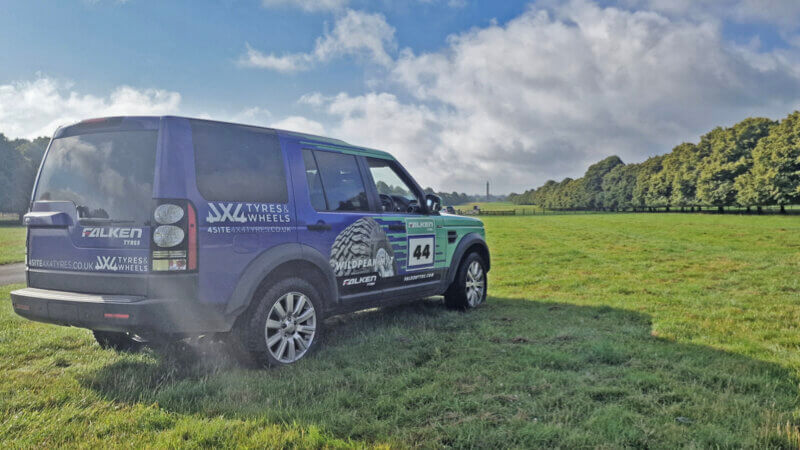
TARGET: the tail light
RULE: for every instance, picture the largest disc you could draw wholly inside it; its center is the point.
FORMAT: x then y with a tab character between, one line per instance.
192	242
174	238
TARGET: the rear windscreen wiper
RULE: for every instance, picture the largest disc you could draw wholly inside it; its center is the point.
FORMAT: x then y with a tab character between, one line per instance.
102	221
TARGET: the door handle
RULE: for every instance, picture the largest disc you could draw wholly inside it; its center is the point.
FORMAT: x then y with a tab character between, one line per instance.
397	228
319	226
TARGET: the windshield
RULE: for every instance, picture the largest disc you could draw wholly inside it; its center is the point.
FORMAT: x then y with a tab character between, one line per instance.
108	175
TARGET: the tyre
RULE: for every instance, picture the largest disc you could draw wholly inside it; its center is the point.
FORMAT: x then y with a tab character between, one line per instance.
284	326
469	286
361	248
121	342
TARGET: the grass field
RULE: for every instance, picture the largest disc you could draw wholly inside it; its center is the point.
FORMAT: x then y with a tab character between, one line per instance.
600	331
12	244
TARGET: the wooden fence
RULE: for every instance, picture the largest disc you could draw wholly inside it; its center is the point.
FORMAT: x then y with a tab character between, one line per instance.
532	211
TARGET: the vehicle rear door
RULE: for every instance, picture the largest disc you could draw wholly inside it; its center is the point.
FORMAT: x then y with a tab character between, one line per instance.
92	203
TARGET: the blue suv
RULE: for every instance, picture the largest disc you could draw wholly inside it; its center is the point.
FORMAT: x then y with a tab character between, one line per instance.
144	229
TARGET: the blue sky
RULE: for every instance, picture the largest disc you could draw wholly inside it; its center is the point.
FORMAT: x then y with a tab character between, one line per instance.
515	92
192	47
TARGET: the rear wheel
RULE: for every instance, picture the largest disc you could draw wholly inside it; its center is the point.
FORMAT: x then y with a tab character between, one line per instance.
470	285
121	342
285	326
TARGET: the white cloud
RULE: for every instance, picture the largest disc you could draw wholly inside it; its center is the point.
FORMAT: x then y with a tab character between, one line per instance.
285	63
252	116
415	134
334	5
315	99
785	13
554	90
355	33
308	5
450	3
300	124
36	108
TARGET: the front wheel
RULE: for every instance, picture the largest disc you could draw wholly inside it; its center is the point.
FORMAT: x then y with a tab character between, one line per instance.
286	324
470	286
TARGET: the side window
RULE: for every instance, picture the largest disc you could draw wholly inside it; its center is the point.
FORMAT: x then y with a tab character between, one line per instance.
315	191
396	195
343	186
238	163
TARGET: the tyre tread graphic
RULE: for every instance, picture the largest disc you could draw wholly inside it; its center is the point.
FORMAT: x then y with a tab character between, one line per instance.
361	240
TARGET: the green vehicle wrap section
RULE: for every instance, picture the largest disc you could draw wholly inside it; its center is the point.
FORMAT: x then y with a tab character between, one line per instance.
462	226
415	237
396	250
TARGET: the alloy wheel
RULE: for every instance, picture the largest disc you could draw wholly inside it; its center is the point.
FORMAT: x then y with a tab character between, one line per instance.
476	284
291	327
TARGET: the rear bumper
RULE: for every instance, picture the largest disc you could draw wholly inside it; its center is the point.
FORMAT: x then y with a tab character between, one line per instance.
118	312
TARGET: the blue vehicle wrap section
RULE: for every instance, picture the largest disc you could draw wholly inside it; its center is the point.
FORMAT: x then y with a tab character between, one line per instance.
230	234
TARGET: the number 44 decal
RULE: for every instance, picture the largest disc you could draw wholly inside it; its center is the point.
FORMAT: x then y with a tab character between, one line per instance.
420	253
421	250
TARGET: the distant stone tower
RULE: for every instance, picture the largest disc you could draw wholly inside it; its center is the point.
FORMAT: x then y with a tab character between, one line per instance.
488	197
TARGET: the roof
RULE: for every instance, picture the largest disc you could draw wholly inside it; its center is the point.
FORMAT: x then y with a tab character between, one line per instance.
320	142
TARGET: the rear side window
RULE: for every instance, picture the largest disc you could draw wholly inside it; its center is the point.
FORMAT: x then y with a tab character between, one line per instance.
238	163
342	184
315	192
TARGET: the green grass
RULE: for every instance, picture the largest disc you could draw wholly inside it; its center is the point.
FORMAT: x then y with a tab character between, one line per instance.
12	244
600	331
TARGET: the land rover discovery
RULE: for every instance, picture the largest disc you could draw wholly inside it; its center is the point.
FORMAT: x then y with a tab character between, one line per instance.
148	228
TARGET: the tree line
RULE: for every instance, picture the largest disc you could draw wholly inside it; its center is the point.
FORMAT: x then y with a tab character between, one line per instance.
19	161
752	164
455	198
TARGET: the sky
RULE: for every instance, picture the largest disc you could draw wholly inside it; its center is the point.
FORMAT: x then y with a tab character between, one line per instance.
460	91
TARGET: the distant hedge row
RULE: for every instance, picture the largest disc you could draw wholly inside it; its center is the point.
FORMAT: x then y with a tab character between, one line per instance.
752	164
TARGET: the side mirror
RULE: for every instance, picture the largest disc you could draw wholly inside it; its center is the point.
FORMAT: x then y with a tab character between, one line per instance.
434	203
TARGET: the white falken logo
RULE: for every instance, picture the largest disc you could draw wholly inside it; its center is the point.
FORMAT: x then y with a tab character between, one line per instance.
225	213
106	263
414	225
113	232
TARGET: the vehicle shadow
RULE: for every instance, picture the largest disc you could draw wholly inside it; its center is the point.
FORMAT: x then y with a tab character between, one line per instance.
513	373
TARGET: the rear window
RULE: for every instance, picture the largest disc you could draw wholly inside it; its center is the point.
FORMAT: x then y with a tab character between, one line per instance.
108	175
238	163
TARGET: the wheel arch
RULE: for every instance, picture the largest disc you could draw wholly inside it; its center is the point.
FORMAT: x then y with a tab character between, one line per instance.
280	262
471	242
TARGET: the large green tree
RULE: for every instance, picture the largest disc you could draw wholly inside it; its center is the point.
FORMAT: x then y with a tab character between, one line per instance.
646	190
729	155
681	173
774	178
618	185
593	181
574	192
